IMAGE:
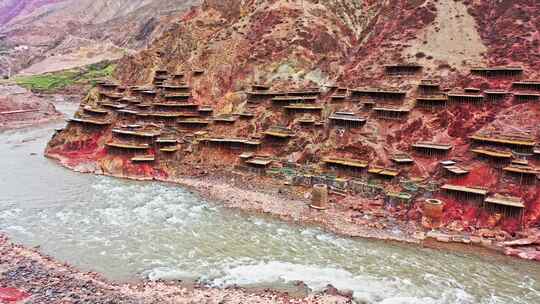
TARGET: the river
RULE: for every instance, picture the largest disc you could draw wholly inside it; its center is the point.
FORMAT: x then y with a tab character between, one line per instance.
130	230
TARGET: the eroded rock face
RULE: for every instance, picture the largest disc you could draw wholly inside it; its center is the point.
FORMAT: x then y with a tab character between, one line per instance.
301	44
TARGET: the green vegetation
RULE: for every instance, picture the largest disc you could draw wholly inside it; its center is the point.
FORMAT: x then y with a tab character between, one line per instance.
60	80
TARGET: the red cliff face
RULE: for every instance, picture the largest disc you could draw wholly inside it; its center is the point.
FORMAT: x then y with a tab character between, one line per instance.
292	45
510	30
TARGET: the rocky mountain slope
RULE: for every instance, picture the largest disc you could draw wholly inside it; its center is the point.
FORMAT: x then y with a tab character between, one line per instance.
222	48
59	34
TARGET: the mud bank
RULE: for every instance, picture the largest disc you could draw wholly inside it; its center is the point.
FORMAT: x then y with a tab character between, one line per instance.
27	276
21	108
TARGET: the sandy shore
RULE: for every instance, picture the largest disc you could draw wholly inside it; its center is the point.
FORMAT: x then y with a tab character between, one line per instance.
26	276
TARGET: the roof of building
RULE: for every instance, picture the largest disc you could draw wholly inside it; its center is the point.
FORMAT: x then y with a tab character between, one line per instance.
128	146
346	162
473	190
505	201
345	116
177	95
166	140
509	68
496	92
465	95
387	109
279	132
176	104
260	161
169	149
247	155
504	140
378	90
402	158
89	121
384	171
521	169
432	145
456	170
194	120
493	153
226	118
303	106
139	133
95	110
143	158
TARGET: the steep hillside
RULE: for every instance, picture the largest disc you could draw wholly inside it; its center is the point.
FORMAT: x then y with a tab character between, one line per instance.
79	32
387	89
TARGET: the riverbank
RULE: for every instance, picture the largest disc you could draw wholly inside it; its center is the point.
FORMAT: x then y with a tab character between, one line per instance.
19	107
27	276
346	216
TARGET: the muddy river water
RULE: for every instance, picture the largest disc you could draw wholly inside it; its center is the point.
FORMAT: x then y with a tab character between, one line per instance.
130	230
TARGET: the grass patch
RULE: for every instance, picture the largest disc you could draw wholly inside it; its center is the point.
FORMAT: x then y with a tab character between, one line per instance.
60	80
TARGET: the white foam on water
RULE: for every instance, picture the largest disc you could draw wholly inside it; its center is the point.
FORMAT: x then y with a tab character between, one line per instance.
168	274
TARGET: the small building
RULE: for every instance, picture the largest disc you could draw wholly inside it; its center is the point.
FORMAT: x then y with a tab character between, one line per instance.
176	106
95	111
198	72
431	102
347	120
465	98
136	134
526	174
431	148
518	143
130	100
340	94
279	133
391	113
111	95
498	72
387	173
225	119
455	171
303	108
306	120
474	194
177	96
377	94
429	87
127	147
258	164
256	87
402	69
308	92
526	97
496	95
497	157
347	166
472	90
246	115
112	105
88	121
259	96
509	206
528	85
143	159
194	122
171	88
231	143
205	110
402	159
